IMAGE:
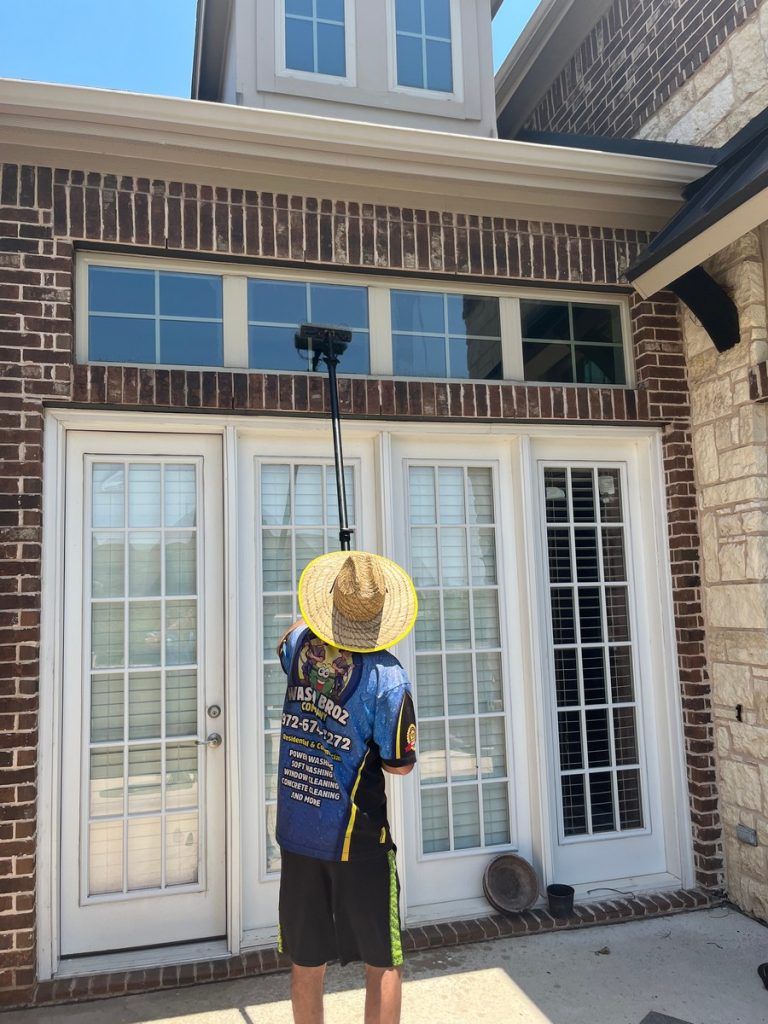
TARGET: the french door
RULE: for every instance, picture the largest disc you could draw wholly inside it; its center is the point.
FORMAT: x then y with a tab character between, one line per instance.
142	760
466	802
599	589
288	516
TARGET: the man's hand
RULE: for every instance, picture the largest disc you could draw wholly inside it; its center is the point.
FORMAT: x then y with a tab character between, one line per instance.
405	769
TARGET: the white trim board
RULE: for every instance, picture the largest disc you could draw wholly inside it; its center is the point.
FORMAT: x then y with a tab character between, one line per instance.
213	142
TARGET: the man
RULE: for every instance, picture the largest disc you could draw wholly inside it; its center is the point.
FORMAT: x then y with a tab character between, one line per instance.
348	718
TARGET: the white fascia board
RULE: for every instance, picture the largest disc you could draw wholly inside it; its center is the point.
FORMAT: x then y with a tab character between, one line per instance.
739	222
212	142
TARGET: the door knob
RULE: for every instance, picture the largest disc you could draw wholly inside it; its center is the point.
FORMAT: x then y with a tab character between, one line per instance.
212	740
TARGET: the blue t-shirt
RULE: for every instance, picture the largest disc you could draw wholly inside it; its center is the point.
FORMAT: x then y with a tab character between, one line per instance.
344	715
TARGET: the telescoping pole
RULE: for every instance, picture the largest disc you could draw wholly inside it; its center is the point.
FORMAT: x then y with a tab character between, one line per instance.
345	533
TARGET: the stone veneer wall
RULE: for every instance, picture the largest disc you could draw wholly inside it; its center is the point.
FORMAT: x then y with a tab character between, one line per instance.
730	440
725	93
45	213
730	436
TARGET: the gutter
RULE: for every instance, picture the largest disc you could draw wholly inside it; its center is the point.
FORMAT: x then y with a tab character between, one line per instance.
213	139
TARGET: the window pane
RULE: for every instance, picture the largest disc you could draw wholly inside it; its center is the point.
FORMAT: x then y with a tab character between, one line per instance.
343	307
574	805
144	495
186	343
145	870
418	312
273	348
299	45
301	7
548	362
496	814
108	497
331	55
546	321
409	16
438	17
598	365
466	817
432	753
473	316
180	496
357	358
410	67
417	356
195	295
597	323
475	360
429	686
332	10
601	802
108	565
277	302
439	66
113	339
434	820
115	290
144	700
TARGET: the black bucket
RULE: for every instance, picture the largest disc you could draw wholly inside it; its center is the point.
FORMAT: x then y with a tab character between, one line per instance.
560	899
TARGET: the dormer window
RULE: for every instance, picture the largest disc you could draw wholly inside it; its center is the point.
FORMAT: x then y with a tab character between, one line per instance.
315	37
424	44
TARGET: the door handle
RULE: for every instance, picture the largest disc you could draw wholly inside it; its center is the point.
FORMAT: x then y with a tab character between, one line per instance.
212	740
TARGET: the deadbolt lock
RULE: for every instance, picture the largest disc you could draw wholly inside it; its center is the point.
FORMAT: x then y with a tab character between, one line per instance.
214	711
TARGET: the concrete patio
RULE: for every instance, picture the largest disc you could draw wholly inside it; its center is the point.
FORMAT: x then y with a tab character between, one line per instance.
697	968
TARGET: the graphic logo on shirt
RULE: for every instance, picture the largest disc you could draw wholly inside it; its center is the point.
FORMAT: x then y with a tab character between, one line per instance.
410	739
325	668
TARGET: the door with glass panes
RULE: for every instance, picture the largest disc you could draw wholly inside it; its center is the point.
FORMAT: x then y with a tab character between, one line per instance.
600	679
462	806
289	516
142	785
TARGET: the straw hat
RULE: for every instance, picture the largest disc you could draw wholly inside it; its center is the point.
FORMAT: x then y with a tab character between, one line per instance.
357	601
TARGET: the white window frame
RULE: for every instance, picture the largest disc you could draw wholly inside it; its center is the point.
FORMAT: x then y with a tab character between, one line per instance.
235	289
457	59
507	690
350	36
636	634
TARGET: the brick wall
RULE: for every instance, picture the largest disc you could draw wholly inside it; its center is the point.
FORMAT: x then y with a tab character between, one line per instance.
634	59
43	212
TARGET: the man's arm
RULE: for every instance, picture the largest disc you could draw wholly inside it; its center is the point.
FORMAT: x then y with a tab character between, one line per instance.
287	633
404	769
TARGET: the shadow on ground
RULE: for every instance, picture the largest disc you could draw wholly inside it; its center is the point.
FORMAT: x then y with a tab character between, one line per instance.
697	968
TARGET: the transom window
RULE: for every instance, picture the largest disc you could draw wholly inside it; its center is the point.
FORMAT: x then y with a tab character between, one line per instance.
315	37
571	342
440	335
424	50
592	650
150	316
135	311
276	308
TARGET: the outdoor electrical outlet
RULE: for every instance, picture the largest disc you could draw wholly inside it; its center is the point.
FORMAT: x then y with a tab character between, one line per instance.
746	835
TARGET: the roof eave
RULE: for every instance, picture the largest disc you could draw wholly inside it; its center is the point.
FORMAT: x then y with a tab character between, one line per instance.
651	276
214	142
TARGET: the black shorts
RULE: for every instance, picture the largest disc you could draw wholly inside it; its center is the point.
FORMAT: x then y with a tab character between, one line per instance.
340	911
